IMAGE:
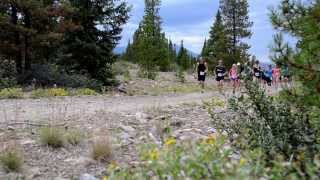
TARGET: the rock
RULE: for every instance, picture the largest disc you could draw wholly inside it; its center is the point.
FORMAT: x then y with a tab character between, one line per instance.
33	173
141	117
10	128
87	177
27	141
80	161
128	129
60	178
121	88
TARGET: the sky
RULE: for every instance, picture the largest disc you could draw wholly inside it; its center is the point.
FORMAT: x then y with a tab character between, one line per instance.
190	21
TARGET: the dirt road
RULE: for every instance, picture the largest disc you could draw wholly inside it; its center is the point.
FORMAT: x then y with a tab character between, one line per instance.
63	108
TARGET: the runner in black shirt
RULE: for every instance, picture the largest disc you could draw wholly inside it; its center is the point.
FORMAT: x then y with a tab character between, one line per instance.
220	72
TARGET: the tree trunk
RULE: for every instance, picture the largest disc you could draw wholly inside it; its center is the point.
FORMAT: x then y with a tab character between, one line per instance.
17	41
234	31
27	66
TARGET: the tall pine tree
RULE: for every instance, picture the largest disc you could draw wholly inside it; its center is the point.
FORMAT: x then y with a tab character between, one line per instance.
89	49
150	46
235	15
217	44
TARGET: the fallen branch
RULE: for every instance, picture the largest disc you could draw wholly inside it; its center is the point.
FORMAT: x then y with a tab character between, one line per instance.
35	124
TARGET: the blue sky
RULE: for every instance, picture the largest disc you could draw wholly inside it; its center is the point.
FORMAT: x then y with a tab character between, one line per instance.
190	21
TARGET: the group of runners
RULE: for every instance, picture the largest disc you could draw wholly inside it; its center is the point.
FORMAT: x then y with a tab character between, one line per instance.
272	76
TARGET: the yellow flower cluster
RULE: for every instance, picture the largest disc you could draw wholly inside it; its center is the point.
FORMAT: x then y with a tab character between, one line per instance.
154	154
242	161
211	139
170	141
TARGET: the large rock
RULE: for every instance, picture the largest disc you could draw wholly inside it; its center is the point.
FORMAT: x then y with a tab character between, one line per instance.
87	177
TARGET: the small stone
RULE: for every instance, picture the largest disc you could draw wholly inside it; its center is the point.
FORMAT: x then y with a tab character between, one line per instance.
128	129
10	128
87	177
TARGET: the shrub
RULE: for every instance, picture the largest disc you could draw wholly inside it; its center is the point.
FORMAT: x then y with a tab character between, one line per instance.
181	76
11	93
86	92
12	159
53	137
52	92
74	137
102	149
7	73
209	159
271	124
47	75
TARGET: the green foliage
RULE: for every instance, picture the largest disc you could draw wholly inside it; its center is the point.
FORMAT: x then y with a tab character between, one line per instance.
52	92
209	159
53	137
302	22
216	48
184	60
7	73
86	92
275	126
237	24
180	74
11	93
12	159
150	48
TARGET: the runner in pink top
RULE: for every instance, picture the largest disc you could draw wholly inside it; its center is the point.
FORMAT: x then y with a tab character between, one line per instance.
233	74
276	74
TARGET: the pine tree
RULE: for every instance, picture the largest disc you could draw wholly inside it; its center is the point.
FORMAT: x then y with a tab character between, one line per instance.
183	58
150	44
301	21
204	51
217	44
89	49
235	15
30	32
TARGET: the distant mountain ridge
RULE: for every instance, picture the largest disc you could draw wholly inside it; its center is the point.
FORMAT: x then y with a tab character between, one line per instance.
122	49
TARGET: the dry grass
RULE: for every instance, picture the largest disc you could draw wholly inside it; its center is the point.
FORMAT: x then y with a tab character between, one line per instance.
74	137
53	137
12	158
102	149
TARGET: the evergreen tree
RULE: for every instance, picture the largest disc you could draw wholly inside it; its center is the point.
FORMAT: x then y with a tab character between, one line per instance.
128	55
150	46
89	48
183	58
204	51
217	45
300	21
30	30
235	15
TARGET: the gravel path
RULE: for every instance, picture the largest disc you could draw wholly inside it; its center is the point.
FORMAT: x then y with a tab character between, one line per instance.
35	110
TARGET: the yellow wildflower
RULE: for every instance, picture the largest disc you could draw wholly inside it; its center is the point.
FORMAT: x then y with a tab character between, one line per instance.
210	140
242	161
154	154
170	141
105	178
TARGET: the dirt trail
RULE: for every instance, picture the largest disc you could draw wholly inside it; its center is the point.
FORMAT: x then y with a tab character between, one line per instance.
64	108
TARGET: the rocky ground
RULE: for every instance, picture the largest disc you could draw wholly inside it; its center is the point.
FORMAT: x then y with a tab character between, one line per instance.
127	120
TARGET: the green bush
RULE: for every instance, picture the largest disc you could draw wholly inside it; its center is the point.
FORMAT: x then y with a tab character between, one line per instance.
11	93
180	75
269	123
86	92
210	159
52	92
53	137
12	159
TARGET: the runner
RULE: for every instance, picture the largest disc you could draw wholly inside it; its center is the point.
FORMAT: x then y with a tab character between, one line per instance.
285	75
202	71
233	74
276	74
267	77
257	72
220	72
